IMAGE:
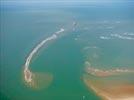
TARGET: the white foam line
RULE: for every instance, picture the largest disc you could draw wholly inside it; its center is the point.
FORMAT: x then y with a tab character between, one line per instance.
130	34
104	37
125	36
88	47
60	31
37	48
27	72
122	37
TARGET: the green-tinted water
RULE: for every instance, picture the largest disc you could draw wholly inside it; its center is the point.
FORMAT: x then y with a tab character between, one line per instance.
23	28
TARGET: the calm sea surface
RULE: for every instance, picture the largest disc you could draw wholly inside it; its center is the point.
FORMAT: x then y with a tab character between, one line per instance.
103	35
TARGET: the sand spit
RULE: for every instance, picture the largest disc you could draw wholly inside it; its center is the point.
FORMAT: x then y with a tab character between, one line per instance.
102	73
28	75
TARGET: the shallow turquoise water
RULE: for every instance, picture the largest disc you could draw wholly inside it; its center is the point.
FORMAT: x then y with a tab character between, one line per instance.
22	29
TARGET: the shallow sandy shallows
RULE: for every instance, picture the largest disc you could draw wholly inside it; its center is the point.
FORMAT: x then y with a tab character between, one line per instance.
38	80
110	90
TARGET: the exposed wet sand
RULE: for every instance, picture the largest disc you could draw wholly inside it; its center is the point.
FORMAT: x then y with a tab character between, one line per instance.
103	73
114	84
111	92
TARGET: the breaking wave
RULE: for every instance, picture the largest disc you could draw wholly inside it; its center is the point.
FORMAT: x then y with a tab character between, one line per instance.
123	36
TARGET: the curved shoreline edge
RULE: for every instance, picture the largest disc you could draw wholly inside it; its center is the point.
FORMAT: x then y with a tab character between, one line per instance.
112	89
112	93
103	73
28	75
